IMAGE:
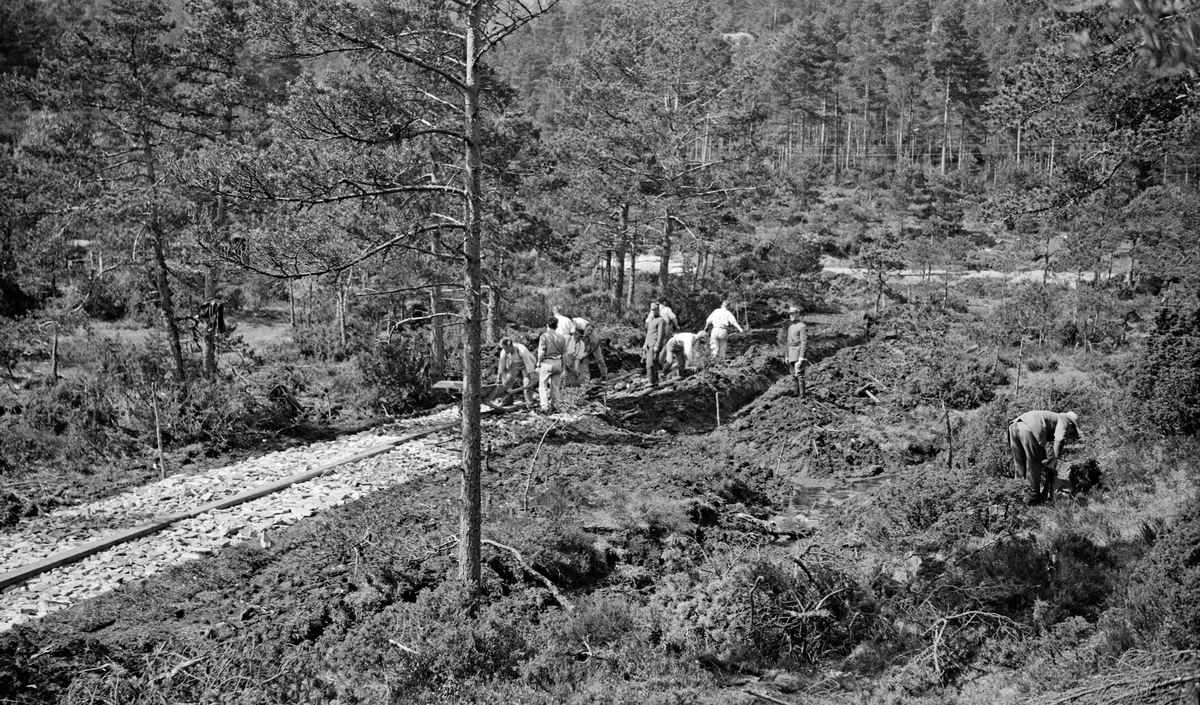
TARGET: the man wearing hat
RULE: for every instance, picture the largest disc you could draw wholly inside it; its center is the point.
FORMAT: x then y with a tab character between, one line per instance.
797	347
588	346
1027	437
656	339
516	364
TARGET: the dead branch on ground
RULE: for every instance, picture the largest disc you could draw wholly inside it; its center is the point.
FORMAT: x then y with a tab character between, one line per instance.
532	465
529	569
1142	678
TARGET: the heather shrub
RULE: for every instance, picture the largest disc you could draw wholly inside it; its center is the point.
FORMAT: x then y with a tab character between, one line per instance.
1163	594
105	299
933	507
1080	579
396	373
957	379
444	641
1037	363
324	341
981	441
762	609
1166	385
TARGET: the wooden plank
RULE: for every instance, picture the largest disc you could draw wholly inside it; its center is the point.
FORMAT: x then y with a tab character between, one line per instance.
487	391
78	553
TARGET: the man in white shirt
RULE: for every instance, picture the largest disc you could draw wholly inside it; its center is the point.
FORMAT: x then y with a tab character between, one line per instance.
516	364
721	319
552	348
681	349
565	326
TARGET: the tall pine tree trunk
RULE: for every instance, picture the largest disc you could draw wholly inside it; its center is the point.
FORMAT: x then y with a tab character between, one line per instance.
471	525
866	131
618	297
340	292
664	262
437	336
210	332
945	126
824	103
166	300
633	253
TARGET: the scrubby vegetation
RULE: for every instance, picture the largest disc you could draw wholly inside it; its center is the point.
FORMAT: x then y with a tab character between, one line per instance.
212	243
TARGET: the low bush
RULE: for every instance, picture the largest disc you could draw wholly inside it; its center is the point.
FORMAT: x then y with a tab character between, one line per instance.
1166	386
933	508
1081	578
981	442
105	299
764	611
324	341
958	380
1163	594
1038	363
396	373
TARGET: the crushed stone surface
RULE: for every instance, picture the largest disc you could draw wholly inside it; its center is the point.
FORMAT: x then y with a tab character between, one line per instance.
38	538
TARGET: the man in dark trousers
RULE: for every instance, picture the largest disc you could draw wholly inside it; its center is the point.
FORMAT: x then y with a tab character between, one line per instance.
657	335
1027	438
797	348
517	364
588	343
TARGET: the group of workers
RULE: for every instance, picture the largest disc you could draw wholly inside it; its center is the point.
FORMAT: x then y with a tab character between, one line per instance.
565	345
568	344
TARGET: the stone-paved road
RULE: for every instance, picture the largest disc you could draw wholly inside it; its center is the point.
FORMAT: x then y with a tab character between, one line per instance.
188	539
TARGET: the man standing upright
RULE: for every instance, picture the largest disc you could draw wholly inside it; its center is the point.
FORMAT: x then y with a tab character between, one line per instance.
1027	437
656	340
551	349
563	325
720	320
669	316
566	327
797	348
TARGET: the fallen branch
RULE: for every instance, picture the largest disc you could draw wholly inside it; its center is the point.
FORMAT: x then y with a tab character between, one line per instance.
402	647
179	667
533	464
824	614
1150	679
765	698
529	569
769	527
